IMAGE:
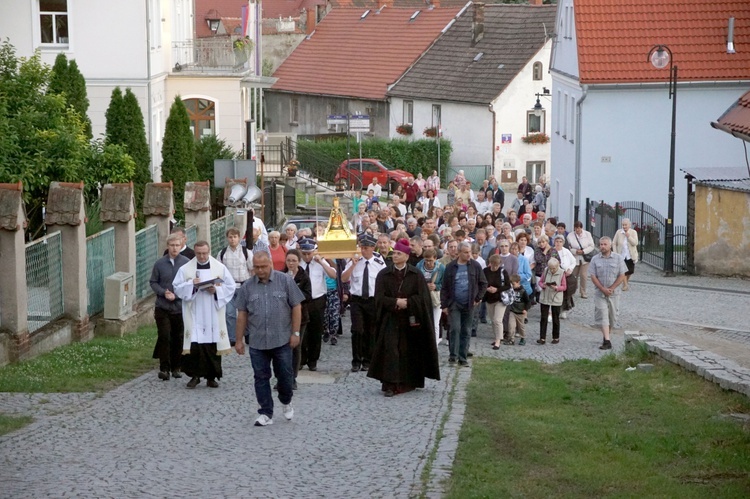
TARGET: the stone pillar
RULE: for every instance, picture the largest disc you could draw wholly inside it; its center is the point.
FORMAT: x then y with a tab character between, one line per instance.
118	211
198	208
279	202
13	291
158	208
65	212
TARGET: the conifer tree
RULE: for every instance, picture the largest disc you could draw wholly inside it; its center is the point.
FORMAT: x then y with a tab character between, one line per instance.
67	80
178	162
115	120
59	75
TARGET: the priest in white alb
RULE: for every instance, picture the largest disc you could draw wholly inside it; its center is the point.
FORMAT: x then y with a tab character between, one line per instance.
205	286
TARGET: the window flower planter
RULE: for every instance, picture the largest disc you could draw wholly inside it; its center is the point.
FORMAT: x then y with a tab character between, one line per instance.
535	138
430	131
405	129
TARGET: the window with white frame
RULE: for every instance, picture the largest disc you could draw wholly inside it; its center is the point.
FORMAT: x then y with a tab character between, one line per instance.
565	117
437	116
537	71
535	121
53	22
294	110
534	170
572	118
558	113
408	117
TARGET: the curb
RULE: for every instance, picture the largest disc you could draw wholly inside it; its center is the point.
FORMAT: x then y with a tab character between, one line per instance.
714	368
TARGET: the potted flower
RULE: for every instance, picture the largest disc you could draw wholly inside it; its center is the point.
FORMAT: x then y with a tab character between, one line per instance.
535	138
242	49
430	131
292	168
405	129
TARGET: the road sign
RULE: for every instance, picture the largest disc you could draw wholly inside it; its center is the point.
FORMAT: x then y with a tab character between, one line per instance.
336	119
361	121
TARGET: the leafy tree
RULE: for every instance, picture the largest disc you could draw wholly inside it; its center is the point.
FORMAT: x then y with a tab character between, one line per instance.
178	161
207	150
125	127
67	80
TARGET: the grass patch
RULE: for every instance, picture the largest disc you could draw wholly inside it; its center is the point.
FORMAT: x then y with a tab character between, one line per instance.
96	365
13	423
591	429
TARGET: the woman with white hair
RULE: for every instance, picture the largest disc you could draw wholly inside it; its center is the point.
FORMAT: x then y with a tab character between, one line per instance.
291	234
625	243
568	265
552	286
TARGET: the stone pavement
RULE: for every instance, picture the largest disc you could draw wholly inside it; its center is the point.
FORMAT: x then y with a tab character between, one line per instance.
153	438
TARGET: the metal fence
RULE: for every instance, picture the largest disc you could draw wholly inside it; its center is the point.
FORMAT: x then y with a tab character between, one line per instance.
475	174
218	232
146	254
44	280
192	235
604	219
100	264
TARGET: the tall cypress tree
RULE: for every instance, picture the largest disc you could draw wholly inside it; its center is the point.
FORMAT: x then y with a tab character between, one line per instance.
66	79
178	162
59	75
113	129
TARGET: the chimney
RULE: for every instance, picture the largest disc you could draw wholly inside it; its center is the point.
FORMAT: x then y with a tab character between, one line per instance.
730	37
535	2
477	25
310	20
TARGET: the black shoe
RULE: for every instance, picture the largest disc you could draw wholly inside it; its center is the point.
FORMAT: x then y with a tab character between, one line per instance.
463	363
451	360
294	385
364	367
470	354
495	347
177	374
473	334
232	343
212	383
312	367
356	368
607	345
483	321
194	381
541	342
164	375
389	393
326	337
334	340
556	341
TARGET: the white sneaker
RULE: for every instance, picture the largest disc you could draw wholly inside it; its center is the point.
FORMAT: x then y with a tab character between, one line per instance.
288	411
563	315
263	420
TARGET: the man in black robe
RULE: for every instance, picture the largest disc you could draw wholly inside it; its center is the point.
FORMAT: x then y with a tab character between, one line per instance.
405	351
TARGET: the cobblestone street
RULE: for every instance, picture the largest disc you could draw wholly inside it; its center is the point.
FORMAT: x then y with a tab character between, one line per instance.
152	438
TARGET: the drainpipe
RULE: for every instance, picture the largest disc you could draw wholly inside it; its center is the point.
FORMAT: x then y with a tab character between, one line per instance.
494	122
149	122
579	114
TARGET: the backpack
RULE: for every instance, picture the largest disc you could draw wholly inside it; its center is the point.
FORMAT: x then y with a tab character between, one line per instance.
223	252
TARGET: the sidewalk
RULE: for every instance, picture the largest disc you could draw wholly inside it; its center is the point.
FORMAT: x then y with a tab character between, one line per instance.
154	438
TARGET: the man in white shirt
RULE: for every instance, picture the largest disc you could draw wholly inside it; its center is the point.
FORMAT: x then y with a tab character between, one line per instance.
239	262
376	188
316	267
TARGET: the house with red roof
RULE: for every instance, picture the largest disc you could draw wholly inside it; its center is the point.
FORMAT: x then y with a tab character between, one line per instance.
346	65
611	108
479	83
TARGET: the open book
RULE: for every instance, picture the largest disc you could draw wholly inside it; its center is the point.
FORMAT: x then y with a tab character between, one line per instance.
209	283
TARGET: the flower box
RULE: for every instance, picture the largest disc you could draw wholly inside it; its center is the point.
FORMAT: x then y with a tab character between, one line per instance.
405	129
535	138
430	131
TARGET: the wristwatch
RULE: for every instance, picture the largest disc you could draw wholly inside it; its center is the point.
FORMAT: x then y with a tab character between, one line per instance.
296	333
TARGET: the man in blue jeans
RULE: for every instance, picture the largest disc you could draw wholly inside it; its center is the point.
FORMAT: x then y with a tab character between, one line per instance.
464	285
269	310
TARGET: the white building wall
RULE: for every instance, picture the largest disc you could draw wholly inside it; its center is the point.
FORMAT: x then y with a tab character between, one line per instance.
468	127
511	108
565	50
626	142
563	147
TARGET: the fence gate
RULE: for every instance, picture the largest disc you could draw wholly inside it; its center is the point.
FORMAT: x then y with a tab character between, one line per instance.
604	220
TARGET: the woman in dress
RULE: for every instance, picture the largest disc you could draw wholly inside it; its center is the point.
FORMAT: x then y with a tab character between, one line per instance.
421	182
552	285
568	265
277	250
625	243
581	243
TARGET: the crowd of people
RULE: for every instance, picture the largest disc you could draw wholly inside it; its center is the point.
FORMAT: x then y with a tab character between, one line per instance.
424	273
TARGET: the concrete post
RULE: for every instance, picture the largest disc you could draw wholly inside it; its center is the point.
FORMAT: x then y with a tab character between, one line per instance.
118	211
65	212
280	202
13	292
158	208
198	208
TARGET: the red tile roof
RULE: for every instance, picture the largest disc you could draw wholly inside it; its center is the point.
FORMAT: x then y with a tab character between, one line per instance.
354	57
736	119
615	36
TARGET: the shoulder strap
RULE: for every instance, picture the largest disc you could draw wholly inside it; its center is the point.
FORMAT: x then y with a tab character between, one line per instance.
222	253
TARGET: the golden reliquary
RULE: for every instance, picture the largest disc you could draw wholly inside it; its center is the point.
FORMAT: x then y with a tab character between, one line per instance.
337	241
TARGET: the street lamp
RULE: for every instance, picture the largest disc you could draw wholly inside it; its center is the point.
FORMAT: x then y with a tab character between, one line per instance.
660	56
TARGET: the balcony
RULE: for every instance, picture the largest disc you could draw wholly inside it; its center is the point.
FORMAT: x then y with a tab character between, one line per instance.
219	54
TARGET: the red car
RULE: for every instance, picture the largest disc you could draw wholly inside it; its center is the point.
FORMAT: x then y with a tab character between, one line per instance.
388	177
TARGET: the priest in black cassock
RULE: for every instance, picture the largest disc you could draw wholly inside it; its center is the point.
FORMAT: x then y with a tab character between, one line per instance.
405	350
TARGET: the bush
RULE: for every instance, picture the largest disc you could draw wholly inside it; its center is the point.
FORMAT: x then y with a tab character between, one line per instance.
414	156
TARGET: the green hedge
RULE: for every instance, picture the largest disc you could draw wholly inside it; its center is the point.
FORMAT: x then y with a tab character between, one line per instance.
414	156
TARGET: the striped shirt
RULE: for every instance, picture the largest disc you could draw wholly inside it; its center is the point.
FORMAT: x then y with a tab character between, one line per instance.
607	268
269	309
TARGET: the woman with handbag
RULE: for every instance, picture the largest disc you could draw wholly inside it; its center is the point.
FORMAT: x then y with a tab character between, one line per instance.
498	283
625	243
582	246
433	271
552	289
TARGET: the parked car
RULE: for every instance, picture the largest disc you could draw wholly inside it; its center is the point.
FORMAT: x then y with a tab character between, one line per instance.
349	172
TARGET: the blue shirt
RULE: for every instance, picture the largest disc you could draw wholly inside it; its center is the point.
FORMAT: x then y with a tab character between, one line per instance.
461	288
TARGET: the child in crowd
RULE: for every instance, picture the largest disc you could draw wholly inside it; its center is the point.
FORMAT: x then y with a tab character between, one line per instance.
518	310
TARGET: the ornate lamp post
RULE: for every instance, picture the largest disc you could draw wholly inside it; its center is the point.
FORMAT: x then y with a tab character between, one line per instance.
660	56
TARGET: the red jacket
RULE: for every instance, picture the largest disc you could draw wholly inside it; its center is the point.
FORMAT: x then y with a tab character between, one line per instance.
412	192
